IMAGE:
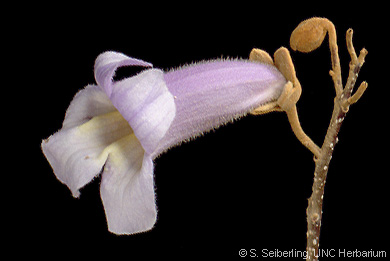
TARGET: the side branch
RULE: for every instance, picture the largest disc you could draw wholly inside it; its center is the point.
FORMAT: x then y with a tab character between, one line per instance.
350	47
358	94
334	51
354	69
346	98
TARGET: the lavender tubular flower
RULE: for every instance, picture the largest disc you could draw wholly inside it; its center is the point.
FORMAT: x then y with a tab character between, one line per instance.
118	128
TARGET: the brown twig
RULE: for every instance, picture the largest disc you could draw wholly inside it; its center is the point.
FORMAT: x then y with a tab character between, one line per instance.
301	41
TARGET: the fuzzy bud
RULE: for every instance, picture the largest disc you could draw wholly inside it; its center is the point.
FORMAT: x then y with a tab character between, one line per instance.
308	35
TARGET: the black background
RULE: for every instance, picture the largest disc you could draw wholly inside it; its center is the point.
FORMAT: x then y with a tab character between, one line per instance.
243	186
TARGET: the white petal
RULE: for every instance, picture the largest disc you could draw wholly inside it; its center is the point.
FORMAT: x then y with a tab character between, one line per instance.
86	104
127	188
77	154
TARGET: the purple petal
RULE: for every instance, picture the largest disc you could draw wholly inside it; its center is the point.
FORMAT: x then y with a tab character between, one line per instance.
143	100
106	65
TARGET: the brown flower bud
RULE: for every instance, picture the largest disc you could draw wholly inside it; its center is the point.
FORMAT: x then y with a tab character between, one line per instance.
309	35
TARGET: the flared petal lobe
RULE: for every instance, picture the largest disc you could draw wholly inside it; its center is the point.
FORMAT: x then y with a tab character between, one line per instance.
127	189
76	151
89	102
106	65
143	100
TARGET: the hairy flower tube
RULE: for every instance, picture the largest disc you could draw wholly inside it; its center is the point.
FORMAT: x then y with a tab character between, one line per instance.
117	128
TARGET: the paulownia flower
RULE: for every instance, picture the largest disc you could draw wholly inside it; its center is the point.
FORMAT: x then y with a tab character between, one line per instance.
117	128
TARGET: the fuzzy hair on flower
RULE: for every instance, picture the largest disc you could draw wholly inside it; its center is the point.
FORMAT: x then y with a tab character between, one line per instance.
116	128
